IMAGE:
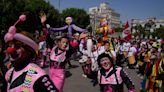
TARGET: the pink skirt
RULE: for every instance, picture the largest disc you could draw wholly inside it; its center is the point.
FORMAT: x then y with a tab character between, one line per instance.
58	77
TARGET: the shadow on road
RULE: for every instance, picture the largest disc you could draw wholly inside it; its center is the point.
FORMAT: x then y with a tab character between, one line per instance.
68	74
73	66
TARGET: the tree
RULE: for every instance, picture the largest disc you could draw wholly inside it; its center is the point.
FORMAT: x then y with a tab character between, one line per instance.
12	9
159	32
139	30
80	16
118	29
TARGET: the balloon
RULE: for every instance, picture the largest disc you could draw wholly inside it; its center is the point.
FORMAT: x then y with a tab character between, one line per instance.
12	30
8	37
22	18
26	40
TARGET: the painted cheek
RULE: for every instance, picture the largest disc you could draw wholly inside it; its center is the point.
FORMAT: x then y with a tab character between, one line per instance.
19	51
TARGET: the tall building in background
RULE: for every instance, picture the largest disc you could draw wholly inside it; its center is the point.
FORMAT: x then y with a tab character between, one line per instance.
104	11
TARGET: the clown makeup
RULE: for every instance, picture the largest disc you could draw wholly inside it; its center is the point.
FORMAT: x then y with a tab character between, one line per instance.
63	43
15	50
105	63
19	54
106	46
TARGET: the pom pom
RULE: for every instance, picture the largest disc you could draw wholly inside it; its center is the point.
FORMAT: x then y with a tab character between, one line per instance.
22	18
12	30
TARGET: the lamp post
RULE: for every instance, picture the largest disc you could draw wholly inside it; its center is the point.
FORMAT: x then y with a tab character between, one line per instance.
59	5
59	33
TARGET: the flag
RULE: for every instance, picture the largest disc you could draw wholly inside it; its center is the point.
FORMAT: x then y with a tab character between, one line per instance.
126	34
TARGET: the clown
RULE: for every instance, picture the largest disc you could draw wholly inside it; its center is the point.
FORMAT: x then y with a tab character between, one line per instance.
25	76
57	63
71	29
111	78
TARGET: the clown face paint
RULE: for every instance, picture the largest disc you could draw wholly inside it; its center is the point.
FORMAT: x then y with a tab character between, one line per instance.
63	44
16	53
105	63
106	46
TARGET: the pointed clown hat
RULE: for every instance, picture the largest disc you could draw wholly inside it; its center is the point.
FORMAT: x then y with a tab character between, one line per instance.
11	34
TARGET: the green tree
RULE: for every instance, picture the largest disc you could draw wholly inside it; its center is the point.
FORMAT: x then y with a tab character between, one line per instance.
118	29
12	9
140	30
80	16
159	32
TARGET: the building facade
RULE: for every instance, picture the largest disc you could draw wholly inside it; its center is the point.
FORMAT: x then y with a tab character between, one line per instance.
150	24
104	11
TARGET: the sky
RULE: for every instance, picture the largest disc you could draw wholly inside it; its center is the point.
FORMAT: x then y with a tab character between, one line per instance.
128	9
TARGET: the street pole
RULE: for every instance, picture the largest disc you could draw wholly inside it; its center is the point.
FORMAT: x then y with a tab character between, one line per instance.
59	5
60	16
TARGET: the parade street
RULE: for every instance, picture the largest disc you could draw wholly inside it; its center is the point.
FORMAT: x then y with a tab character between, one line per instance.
75	82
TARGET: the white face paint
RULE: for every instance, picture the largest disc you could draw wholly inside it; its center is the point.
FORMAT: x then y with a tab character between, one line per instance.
63	44
105	63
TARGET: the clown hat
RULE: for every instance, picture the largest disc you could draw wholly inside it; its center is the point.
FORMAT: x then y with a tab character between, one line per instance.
11	34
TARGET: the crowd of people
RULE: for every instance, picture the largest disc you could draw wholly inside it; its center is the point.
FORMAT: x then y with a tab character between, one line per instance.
102	60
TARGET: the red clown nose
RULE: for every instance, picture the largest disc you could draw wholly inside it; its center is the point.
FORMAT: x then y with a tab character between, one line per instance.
10	50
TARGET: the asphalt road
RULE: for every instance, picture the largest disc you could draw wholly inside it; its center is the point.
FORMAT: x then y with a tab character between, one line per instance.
75	82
